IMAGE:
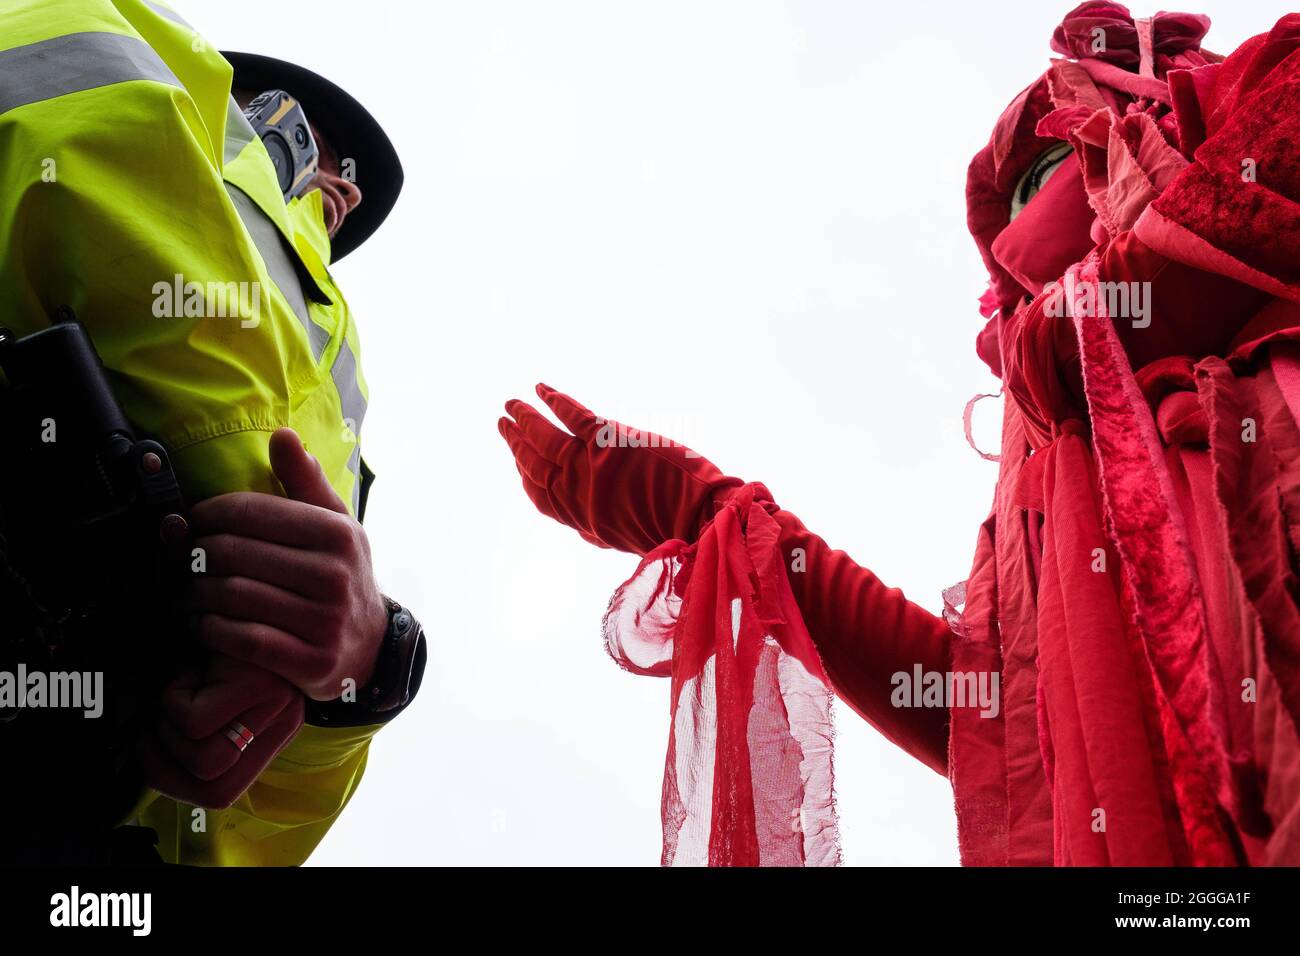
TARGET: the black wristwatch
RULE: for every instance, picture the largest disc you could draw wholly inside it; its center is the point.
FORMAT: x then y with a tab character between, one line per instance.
398	672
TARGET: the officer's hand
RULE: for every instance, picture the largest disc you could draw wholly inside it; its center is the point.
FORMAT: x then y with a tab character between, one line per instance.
289	586
218	732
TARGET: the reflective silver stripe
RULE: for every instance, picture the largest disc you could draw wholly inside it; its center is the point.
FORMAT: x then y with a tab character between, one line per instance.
238	131
344	373
279	266
354	466
171	15
76	62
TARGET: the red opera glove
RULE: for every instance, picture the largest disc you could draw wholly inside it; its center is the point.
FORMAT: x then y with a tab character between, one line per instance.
616	486
866	633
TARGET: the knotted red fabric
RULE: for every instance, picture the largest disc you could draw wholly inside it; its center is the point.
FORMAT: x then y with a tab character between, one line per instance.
748	779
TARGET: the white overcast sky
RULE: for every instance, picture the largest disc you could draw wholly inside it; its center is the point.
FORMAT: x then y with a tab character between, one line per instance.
741	224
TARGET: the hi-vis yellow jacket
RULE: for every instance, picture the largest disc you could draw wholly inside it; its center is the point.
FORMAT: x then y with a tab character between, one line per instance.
133	190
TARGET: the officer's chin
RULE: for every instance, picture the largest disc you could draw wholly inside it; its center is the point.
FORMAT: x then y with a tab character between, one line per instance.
333	208
334	211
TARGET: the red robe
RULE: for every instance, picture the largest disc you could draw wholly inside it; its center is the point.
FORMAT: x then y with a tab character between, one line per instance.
1135	584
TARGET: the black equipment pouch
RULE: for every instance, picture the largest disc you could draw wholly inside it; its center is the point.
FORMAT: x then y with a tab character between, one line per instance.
93	587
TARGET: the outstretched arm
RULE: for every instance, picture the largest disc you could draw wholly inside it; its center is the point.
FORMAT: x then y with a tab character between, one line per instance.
635	494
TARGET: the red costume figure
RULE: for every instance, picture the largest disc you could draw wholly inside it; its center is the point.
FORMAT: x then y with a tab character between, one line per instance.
1134	589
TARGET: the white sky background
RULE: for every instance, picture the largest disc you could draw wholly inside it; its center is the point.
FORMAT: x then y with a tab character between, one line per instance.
741	224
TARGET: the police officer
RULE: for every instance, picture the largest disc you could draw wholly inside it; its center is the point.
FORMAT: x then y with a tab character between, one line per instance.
135	191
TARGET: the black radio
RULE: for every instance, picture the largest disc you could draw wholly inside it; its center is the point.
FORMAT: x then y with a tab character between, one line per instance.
83	478
93	581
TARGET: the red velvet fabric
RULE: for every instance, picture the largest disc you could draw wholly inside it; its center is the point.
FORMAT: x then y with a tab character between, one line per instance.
1245	181
1174	34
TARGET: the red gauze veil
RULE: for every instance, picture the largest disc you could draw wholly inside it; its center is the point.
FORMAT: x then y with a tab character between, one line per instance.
748	776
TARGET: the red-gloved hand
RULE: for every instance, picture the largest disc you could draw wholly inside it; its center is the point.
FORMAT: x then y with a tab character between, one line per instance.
618	487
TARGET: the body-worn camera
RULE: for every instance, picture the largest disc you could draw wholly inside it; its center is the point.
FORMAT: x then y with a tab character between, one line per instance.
279	121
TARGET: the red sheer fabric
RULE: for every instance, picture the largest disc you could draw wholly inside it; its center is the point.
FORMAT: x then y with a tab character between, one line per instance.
748	778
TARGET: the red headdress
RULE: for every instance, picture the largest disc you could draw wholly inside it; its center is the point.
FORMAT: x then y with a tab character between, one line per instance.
1114	63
